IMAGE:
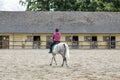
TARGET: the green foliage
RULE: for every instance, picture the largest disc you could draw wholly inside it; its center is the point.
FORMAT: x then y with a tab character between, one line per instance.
72	5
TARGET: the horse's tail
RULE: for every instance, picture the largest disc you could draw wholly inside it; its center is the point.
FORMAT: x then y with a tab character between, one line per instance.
67	51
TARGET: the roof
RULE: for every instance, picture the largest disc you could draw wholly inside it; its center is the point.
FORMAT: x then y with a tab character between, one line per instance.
67	22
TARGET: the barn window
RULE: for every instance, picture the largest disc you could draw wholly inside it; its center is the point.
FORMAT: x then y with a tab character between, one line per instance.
68	38
106	38
87	38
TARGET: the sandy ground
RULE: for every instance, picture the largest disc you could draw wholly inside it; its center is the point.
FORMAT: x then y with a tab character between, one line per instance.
83	65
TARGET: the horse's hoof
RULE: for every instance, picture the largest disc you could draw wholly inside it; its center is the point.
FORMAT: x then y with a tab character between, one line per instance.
61	65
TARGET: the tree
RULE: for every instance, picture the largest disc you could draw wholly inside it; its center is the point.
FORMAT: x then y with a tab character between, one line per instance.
46	5
72	5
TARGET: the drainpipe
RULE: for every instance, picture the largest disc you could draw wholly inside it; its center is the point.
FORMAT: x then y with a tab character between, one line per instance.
110	42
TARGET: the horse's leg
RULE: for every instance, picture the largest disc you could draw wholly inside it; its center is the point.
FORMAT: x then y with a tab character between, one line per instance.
51	61
64	57
66	62
55	61
63	60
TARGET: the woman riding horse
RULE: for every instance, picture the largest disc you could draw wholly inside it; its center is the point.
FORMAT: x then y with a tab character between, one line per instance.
56	39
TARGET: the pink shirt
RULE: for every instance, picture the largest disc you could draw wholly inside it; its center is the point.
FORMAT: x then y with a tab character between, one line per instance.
56	36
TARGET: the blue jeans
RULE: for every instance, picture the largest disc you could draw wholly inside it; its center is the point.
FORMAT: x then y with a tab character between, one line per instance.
54	42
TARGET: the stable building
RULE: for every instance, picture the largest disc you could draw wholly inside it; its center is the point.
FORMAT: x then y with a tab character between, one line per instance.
81	30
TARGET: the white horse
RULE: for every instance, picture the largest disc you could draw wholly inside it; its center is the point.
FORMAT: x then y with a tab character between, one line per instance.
63	49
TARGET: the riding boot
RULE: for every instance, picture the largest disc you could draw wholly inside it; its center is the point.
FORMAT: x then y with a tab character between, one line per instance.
50	50
51	46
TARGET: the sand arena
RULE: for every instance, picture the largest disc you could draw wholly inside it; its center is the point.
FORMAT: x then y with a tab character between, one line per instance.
83	65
